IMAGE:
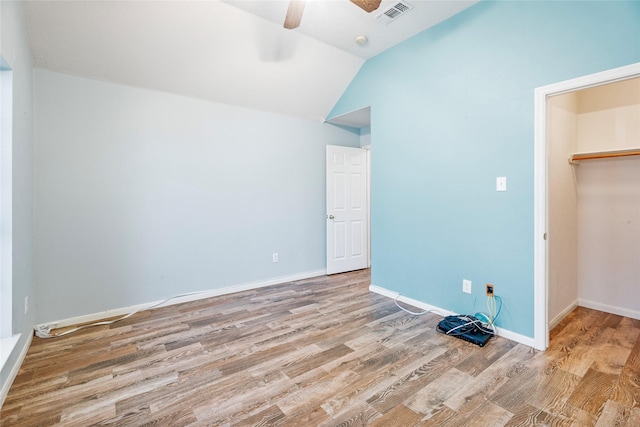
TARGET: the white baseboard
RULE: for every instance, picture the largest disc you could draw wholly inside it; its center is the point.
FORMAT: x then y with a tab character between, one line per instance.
406	300
443	312
564	313
514	336
92	317
14	370
634	314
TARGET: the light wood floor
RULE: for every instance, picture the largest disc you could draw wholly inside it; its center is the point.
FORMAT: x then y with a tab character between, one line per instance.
324	351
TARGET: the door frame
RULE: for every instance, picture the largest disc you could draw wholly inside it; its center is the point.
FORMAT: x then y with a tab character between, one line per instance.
367	151
540	215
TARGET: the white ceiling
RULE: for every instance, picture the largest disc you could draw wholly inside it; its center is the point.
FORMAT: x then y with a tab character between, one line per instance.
234	52
338	22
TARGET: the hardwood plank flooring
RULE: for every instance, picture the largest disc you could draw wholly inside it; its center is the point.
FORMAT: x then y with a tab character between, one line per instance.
324	352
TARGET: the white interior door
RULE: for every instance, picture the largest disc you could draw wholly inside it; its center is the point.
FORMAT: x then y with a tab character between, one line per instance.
347	228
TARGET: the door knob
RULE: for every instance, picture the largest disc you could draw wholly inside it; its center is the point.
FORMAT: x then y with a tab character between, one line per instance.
331	217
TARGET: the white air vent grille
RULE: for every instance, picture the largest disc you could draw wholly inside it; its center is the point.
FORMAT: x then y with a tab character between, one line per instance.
401	7
394	12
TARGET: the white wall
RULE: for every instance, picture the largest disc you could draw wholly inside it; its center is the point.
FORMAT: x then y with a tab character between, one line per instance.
609	199
562	205
14	47
609	116
141	195
609	235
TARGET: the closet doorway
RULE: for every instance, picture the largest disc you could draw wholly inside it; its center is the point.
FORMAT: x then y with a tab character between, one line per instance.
587	209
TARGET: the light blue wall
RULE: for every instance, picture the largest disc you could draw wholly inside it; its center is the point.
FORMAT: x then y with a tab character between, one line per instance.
365	136
452	109
14	48
141	195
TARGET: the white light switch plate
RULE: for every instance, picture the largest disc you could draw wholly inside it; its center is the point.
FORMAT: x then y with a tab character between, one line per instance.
466	286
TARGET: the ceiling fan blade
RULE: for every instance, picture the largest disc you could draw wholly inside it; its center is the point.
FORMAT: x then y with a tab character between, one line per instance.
367	5
294	14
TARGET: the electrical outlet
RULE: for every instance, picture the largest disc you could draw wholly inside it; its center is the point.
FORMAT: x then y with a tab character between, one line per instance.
489	290
26	304
466	286
275	257
501	183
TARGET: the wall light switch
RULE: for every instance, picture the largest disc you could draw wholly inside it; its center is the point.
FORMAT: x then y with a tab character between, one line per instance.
501	183
275	257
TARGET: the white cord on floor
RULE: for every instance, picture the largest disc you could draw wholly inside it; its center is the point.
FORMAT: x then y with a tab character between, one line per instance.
414	312
44	331
485	326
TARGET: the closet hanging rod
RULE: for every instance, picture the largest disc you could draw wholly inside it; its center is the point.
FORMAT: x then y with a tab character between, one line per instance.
603	155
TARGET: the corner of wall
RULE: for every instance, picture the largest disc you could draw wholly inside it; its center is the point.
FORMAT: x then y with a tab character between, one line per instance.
14	47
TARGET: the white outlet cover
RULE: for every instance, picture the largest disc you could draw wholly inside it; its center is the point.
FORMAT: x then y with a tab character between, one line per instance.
501	183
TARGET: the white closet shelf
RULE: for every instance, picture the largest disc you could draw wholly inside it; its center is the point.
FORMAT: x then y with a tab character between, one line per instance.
576	157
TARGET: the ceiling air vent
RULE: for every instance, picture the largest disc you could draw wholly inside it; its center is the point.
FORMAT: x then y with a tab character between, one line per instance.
394	12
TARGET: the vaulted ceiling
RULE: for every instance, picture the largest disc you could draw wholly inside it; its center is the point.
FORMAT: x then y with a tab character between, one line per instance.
235	52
